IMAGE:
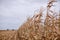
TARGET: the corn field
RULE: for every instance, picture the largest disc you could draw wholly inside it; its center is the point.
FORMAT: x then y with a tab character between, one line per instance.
35	29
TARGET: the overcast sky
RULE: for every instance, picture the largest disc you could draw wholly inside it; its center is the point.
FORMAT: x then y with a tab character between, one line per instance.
14	12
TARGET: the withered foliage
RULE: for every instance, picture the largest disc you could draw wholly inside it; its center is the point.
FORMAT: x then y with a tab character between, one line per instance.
35	29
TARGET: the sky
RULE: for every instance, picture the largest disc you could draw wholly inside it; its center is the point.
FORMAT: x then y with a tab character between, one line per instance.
13	13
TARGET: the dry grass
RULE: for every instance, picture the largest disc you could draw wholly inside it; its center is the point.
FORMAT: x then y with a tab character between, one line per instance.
33	29
7	35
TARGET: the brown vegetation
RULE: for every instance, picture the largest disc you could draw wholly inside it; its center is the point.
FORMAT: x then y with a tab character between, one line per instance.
33	29
8	35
